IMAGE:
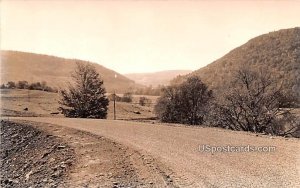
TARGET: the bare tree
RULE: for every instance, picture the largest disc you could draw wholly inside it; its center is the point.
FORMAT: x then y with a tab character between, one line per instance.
86	97
252	104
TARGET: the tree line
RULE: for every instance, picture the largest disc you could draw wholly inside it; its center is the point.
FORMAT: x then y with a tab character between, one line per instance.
42	86
149	90
128	98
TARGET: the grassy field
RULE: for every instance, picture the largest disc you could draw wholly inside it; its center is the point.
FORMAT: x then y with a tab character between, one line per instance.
39	103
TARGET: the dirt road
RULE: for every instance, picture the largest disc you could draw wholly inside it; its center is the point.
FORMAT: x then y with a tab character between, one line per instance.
76	159
178	148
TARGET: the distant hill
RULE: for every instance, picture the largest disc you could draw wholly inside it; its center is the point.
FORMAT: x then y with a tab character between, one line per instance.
156	78
278	52
16	66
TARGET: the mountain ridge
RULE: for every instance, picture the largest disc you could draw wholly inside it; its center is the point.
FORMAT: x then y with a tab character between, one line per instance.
32	67
156	78
277	52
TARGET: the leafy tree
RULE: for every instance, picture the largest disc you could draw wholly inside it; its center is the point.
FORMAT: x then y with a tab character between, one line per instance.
86	97
185	103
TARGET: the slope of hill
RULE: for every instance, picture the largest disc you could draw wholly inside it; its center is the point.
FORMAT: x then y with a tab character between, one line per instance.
156	78
277	52
16	66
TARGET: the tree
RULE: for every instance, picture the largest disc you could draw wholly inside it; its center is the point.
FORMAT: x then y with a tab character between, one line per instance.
86	97
11	85
44	85
185	103
252	103
144	101
22	85
127	97
113	97
35	86
2	86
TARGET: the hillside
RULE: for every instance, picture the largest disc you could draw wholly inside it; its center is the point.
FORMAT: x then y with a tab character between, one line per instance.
278	52
156	78
16	66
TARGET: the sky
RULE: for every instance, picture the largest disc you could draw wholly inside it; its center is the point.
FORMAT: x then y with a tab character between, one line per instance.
141	36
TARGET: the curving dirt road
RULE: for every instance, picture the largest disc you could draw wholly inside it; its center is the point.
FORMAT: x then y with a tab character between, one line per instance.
178	148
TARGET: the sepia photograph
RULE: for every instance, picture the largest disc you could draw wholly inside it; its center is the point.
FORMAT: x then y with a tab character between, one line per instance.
150	93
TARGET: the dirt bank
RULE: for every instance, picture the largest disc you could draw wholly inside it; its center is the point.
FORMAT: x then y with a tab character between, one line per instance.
32	158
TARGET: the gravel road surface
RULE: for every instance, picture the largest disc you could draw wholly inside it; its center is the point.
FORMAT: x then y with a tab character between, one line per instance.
178	147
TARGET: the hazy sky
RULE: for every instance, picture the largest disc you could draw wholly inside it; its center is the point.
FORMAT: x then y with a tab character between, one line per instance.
141	36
